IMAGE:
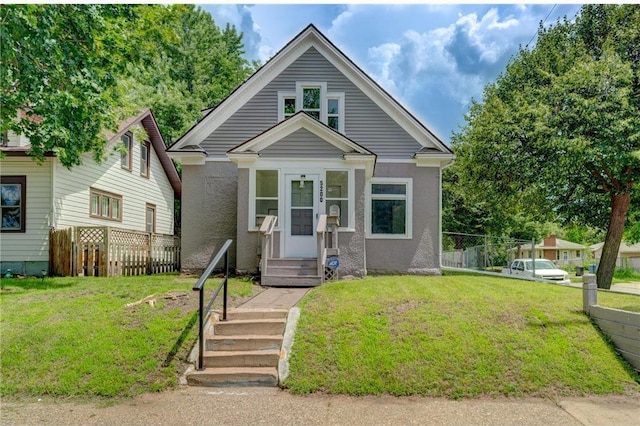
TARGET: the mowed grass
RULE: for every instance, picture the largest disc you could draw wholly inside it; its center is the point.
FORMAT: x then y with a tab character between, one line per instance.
78	337
457	336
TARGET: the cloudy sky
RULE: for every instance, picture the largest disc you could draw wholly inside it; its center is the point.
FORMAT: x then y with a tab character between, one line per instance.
433	58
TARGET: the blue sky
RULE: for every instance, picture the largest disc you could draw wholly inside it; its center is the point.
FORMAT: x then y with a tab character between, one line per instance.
433	58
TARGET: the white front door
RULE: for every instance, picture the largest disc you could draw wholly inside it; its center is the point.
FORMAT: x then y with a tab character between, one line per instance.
301	215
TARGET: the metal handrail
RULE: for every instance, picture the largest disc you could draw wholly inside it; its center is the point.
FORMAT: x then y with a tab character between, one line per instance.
199	287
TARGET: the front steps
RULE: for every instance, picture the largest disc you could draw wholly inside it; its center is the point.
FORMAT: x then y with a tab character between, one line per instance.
244	350
291	272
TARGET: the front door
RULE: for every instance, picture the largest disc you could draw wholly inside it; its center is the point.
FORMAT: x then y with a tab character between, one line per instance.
301	215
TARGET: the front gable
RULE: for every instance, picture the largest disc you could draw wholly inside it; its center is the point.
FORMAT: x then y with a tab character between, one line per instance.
372	117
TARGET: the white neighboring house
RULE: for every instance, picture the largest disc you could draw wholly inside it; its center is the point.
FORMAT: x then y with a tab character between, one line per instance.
628	255
133	191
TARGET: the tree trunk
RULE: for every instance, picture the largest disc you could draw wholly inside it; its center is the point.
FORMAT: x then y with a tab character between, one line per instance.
607	266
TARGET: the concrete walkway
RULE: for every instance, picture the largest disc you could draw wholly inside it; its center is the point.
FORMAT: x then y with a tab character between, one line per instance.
272	406
276	297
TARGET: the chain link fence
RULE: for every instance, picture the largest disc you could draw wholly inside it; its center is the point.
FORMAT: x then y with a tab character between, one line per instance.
482	252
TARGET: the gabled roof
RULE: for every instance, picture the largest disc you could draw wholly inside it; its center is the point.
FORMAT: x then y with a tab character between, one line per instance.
148	121
307	38
561	244
624	247
351	151
300	120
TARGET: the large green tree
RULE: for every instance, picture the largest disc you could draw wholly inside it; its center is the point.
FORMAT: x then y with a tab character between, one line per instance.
69	72
560	128
57	76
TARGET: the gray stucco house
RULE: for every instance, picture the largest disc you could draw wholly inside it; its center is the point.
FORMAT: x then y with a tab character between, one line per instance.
308	164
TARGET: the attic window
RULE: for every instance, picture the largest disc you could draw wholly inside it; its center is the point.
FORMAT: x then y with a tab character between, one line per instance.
313	98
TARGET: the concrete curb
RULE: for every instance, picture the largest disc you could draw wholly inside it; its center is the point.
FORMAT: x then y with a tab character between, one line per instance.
287	343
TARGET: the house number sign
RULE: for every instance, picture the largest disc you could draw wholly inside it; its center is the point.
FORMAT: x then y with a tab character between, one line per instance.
321	190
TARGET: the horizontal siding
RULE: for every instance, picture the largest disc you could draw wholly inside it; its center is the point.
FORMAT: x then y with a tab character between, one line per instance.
301	143
72	192
365	122
33	244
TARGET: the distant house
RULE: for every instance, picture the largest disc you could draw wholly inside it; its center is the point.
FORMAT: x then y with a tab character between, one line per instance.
561	252
133	191
308	140
628	255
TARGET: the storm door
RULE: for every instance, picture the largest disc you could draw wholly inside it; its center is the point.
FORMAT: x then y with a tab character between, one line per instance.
302	215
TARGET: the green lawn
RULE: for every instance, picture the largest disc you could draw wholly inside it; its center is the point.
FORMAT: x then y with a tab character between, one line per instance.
456	336
78	337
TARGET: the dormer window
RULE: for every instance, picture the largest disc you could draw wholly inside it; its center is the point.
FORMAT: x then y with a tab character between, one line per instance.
313	98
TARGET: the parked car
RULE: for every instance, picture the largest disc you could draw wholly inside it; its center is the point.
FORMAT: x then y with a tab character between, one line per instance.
544	270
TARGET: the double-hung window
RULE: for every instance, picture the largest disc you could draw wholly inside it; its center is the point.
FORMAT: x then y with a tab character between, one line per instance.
13	197
389	208
266	199
314	99
337	194
145	158
150	218
126	155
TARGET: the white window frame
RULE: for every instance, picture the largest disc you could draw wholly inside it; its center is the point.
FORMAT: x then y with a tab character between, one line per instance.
324	98
348	227
408	197
252	197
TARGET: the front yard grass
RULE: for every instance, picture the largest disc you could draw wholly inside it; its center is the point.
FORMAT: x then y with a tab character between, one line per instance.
456	336
78	337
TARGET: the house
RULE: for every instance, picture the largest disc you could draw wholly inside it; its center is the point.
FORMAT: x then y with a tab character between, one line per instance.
628	255
561	252
350	177
133	190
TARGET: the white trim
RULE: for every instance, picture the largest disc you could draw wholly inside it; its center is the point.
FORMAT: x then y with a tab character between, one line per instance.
281	97
287	127
308	38
188	158
408	210
351	188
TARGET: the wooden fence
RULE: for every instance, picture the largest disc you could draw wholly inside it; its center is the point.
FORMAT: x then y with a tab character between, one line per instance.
106	251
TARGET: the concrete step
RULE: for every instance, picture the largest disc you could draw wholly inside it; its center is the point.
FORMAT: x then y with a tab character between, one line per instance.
271	326
292	271
299	262
246	376
249	314
248	342
290	281
228	359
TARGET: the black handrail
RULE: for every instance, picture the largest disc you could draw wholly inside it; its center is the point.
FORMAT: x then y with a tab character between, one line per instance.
199	286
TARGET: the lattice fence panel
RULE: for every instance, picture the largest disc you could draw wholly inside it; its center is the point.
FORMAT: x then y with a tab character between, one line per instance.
91	234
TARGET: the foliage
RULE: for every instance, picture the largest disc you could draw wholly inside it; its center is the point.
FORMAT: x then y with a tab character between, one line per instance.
416	336
69	72
57	81
559	130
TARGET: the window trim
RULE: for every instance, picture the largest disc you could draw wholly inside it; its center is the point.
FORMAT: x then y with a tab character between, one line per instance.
129	154
146	170
22	181
324	99
147	207
253	198
102	194
408	197
350	226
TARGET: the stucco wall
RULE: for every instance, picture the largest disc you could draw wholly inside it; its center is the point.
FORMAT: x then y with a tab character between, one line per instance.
420	253
352	244
209	212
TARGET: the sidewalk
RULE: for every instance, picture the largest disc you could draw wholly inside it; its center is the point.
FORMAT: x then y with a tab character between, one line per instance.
272	406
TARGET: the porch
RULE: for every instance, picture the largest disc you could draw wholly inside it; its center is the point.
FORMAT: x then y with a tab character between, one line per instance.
278	271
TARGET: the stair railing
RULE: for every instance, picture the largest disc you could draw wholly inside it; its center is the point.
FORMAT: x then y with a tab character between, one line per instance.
205	314
266	229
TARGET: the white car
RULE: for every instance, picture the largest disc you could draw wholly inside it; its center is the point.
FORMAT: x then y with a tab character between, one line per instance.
544	270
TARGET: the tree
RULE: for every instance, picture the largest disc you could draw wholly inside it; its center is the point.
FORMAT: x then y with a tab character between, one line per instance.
560	127
57	81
